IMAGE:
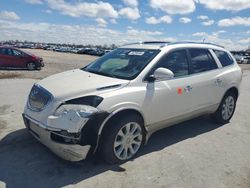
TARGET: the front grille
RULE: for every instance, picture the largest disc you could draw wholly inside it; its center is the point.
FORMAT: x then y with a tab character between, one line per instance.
38	98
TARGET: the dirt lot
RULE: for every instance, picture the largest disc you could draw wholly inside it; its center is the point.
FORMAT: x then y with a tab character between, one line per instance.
54	62
197	153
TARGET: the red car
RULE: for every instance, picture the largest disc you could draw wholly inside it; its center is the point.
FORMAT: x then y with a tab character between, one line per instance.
14	58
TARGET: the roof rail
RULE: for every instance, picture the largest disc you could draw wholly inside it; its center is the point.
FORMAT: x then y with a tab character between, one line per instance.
149	42
156	42
196	43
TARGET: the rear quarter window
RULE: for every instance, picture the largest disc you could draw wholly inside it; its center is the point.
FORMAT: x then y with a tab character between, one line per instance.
224	58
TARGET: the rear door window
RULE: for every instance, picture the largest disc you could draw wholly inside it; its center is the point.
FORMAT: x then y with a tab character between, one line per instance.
16	53
224	58
201	60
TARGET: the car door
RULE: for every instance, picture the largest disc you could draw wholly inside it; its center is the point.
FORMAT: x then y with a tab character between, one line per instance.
4	58
204	80
169	100
19	58
10	59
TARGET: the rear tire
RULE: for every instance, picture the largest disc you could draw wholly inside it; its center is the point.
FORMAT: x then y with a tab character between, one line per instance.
226	109
31	66
122	139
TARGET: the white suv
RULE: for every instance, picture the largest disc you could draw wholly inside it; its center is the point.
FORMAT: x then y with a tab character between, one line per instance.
114	104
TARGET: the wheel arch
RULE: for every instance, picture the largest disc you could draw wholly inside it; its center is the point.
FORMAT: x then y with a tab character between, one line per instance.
30	61
116	114
233	90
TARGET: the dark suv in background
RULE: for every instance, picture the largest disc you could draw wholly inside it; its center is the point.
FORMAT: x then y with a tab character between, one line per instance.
14	58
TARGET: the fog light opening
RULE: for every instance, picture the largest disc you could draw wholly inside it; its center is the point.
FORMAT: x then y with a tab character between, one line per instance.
65	137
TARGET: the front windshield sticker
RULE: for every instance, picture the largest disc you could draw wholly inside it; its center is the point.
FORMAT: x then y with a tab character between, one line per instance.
135	53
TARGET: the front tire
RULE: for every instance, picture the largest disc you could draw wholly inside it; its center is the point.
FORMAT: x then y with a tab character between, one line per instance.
226	109
31	66
122	139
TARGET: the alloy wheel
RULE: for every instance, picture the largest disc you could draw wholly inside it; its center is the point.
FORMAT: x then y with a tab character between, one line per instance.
228	108
128	141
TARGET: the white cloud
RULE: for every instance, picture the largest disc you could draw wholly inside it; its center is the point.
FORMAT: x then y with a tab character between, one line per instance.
217	33
130	13
228	43
48	11
243	21
6	15
132	3
113	21
205	20
136	32
231	5
170	39
174	6
164	19
96	9
245	41
208	22
39	2
202	17
101	22
199	34
78	34
185	20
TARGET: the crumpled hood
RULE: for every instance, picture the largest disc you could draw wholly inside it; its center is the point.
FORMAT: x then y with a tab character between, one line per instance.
76	83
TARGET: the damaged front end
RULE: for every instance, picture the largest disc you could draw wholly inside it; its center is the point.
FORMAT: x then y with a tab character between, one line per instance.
71	132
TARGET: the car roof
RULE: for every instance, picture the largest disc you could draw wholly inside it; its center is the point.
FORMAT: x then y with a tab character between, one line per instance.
11	47
163	44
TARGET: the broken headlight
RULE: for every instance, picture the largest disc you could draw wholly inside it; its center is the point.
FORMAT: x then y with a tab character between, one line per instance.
92	100
83	110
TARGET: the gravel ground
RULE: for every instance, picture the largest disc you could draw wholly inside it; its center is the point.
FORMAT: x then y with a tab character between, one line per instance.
196	153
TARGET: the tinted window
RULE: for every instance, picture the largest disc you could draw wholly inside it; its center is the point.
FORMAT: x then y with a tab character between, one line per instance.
201	60
8	51
2	50
224	58
176	61
16	53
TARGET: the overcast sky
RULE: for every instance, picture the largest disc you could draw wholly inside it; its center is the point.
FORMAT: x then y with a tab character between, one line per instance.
225	22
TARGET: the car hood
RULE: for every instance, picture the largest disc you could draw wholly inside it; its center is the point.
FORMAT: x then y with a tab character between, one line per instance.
77	83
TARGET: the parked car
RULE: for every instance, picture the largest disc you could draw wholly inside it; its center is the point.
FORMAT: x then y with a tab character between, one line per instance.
241	57
14	58
246	59
84	51
96	52
113	105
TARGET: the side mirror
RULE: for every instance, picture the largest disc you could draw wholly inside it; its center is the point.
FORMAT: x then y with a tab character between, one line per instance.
163	74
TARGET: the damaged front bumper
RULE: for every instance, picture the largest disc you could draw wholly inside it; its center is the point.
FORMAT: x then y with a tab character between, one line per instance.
51	138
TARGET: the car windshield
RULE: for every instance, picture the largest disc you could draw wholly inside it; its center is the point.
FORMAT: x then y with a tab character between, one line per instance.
122	63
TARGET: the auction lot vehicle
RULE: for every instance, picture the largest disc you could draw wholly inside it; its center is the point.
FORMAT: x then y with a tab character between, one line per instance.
14	58
114	104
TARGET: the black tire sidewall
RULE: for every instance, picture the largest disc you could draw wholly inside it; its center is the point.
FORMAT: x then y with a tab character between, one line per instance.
218	114
32	63
109	135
